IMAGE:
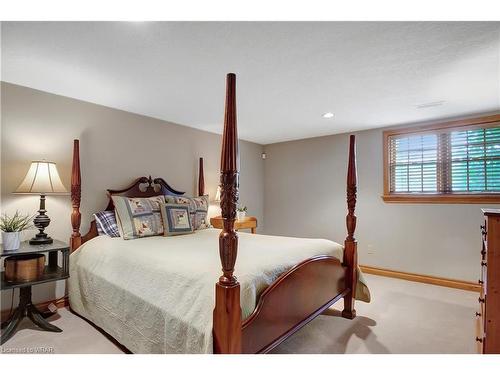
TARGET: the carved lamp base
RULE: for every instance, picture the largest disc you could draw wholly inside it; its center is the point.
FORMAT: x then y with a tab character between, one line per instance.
41	239
41	221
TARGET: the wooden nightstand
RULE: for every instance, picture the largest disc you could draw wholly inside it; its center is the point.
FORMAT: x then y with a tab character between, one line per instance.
51	272
249	222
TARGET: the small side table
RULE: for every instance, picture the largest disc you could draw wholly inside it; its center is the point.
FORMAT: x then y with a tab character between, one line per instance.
52	272
249	222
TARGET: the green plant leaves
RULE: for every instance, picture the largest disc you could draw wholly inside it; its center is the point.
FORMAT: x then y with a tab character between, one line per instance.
15	223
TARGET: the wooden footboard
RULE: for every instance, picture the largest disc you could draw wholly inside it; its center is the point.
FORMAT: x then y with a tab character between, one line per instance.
292	301
295	297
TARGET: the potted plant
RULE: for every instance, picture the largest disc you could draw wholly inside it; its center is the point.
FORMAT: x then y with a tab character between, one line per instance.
11	227
241	212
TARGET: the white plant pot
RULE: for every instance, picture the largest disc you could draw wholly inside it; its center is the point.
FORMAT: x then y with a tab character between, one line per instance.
240	215
11	240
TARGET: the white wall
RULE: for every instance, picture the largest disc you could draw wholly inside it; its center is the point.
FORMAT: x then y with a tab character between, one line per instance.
304	196
115	148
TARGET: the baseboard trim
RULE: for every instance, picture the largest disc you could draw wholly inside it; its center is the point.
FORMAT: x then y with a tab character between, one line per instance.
42	306
426	279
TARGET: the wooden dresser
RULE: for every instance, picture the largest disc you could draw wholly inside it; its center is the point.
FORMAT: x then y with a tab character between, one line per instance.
488	316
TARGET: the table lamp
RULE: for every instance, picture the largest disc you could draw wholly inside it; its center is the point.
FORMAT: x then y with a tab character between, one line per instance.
42	178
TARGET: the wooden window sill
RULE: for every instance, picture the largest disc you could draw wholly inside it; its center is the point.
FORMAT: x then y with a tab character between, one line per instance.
442	198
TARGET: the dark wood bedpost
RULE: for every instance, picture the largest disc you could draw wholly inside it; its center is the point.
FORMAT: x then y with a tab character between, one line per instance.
227	329
201	179
76	193
350	244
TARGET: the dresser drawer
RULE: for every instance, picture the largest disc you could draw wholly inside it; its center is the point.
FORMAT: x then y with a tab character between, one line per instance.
484	229
480	314
488	314
482	298
484	241
479	334
483	281
484	250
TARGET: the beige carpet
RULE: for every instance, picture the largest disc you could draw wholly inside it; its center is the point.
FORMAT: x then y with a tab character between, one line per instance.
404	317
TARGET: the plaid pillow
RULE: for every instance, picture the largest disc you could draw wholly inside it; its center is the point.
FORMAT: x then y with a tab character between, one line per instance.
106	224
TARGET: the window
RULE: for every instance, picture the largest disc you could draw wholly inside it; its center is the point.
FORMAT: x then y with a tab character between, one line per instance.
456	162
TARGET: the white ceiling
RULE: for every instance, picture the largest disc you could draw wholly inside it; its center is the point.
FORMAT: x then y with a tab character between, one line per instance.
288	74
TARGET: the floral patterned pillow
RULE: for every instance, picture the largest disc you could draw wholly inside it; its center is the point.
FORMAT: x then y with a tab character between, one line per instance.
139	217
198	209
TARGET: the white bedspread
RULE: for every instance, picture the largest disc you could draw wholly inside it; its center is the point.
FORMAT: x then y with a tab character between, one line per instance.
156	294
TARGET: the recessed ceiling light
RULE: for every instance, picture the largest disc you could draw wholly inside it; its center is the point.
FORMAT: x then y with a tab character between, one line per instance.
437	103
328	115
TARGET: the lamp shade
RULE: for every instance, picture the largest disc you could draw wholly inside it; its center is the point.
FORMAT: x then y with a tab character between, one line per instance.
42	178
217	195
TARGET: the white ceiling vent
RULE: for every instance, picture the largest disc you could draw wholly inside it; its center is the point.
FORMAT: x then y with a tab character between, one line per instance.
430	104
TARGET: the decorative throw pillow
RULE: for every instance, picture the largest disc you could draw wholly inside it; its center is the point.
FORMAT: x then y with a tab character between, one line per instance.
198	209
106	224
119	224
176	219
139	217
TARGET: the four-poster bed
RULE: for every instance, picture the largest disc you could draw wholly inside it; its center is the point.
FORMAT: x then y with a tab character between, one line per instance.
307	287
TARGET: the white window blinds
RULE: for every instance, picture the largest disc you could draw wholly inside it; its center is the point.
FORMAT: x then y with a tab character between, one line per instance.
446	161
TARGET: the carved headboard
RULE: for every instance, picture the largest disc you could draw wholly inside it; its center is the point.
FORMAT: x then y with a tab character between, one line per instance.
142	187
